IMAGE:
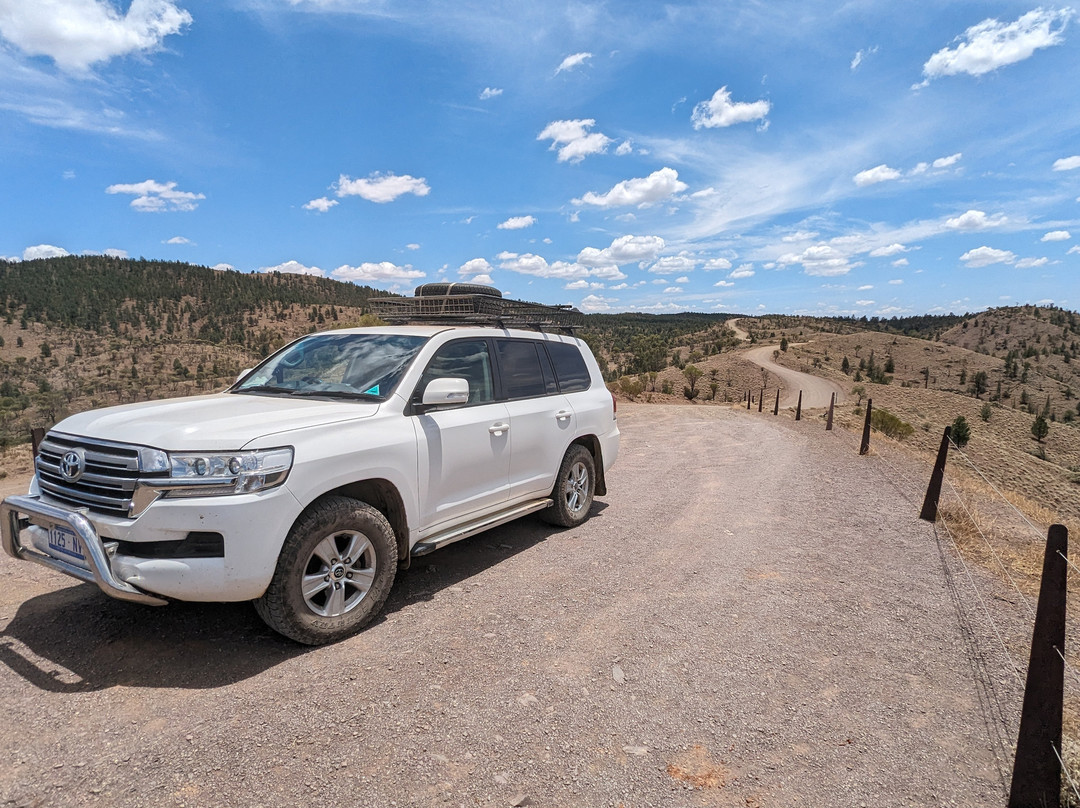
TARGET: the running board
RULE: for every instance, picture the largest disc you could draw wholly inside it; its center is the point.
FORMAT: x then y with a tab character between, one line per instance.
472	528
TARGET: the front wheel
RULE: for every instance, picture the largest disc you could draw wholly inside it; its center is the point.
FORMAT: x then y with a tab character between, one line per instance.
334	572
574	487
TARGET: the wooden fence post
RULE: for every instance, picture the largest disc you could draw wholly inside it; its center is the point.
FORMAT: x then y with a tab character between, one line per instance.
1036	776
761	399
828	421
864	447
798	408
748	401
933	491
776	406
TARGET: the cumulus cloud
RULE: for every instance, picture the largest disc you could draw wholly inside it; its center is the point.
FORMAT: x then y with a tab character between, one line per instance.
1067	163
383	271
381	188
881	173
624	148
538	267
991	44
178	240
477	266
294	268
896	281
717	263
975	220
597	303
223	267
1031	263
742	272
985	256
79	33
821	260
322	204
623	250
865	302
640	191
720	111
573	140
945	162
885	252
1057	235
1073	250
517	223
43	251
724	284
155	197
572	61
671	264
490	92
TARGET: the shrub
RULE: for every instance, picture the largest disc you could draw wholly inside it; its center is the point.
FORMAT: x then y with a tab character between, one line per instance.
961	432
985	412
888	424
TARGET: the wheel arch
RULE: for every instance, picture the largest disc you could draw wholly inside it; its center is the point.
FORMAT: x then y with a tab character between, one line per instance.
592	444
383	496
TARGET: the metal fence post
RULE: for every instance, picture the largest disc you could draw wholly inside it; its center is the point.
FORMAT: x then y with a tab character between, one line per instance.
864	447
828	421
933	491
1036	777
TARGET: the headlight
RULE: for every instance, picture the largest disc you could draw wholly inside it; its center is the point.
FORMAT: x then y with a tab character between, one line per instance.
202	475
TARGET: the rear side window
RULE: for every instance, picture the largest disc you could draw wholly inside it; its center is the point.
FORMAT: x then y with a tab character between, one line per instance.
520	368
570	367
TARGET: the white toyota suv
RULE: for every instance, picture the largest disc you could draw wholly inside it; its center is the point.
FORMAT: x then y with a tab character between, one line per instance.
306	485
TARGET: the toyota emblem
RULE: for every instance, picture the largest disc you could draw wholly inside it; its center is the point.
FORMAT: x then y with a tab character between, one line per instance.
72	465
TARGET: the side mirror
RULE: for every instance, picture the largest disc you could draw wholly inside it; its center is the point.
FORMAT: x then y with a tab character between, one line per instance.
444	392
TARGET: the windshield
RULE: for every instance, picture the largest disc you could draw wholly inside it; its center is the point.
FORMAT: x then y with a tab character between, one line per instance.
364	366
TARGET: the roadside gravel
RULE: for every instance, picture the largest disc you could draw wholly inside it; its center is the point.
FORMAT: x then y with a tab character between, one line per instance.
754	617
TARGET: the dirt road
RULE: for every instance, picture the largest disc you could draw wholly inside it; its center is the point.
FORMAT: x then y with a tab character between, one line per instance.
753	617
816	390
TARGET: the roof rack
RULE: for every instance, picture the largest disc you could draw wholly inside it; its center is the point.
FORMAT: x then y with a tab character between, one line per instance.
475	309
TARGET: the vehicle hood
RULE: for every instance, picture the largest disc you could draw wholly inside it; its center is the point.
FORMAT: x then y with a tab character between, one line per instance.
219	422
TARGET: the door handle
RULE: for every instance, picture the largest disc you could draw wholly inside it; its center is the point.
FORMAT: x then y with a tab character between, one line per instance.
562	415
498	429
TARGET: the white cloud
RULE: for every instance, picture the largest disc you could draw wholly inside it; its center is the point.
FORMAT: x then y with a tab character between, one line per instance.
800	235
991	44
517	223
742	272
864	302
477	266
821	260
537	266
597	303
1057	235
1073	250
412	247
178	240
900	262
624	148
572	61
1031	263
896	282
576	285
484	279
881	173
671	264
114	252
381	188
920	168
866	287
975	220
717	263
945	162
43	251
884	252
375	273
985	256
720	111
79	33
1067	163
154	197
573	140
860	55
223	267
490	92
294	268
623	250
322	204
671	290
640	191
724	284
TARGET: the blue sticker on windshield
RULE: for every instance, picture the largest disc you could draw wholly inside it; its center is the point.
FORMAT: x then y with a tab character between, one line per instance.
373	391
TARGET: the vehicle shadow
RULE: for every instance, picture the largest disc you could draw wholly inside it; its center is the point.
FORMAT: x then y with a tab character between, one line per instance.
76	639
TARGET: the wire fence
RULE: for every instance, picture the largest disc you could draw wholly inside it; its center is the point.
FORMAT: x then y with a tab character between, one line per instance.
961	529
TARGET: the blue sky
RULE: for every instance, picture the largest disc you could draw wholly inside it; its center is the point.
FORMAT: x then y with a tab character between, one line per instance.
859	158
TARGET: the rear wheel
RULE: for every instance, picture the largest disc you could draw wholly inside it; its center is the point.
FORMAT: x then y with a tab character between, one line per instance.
574	488
334	572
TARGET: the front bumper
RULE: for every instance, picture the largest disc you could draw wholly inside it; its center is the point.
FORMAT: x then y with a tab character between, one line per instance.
29	513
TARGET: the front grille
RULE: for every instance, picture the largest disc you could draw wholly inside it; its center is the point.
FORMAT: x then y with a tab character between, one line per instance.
108	482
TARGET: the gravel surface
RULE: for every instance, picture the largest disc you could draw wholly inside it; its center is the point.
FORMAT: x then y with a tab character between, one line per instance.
753	617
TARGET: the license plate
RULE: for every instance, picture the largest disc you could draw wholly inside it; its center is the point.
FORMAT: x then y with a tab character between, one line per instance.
66	542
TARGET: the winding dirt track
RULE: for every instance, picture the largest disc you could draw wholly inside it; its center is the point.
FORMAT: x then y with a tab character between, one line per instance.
753	617
816	390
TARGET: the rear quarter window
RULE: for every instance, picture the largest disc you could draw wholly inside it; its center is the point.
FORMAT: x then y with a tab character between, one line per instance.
570	368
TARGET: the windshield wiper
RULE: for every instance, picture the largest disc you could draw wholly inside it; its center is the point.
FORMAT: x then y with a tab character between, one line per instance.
265	388
334	394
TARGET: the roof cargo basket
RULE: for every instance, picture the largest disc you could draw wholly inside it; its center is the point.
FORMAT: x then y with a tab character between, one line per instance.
472	304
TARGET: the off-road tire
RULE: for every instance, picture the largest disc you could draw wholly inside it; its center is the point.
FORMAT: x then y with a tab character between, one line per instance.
333	521
440	289
574	488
